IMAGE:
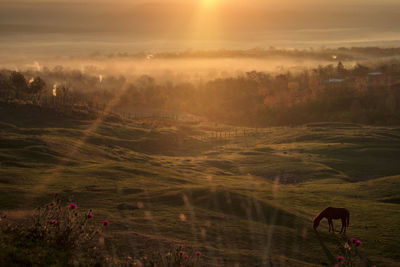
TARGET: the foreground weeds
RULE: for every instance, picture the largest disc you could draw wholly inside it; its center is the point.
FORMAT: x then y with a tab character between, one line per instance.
60	234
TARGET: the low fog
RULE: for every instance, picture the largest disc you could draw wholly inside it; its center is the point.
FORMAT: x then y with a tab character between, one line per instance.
175	70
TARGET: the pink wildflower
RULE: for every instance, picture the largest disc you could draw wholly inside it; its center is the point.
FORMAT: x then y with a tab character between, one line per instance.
53	222
181	253
198	253
340	258
353	240
90	216
186	257
73	206
358	242
106	223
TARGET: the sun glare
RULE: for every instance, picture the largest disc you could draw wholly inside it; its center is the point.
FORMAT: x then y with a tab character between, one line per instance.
205	24
207	4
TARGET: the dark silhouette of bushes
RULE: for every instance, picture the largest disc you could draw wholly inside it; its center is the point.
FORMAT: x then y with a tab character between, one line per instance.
62	234
56	234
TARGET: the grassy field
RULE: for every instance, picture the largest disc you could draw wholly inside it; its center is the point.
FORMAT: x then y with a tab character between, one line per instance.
239	198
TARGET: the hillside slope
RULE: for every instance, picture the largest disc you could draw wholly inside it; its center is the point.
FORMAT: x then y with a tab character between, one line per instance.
240	196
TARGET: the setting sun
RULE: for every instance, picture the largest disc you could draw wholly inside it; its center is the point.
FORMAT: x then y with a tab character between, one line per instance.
210	3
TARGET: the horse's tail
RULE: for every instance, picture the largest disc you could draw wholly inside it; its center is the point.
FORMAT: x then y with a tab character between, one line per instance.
348	220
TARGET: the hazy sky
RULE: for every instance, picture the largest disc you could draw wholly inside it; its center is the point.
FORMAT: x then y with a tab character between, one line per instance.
75	26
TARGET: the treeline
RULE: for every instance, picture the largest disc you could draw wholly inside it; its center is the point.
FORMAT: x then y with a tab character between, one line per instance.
14	86
341	53
56	87
330	93
361	94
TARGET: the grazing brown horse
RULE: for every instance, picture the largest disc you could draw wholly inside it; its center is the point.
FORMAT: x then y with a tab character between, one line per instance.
332	213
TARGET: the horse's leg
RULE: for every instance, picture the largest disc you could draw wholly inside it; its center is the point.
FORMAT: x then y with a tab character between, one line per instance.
333	230
330	225
343	225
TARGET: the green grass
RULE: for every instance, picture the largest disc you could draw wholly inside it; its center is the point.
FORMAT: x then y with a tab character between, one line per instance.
247	200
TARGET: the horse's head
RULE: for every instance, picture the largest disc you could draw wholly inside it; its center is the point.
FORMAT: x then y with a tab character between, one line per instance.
315	224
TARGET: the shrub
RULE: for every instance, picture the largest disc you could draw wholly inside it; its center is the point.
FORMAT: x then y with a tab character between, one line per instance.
60	234
56	234
350	254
